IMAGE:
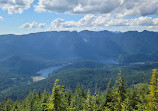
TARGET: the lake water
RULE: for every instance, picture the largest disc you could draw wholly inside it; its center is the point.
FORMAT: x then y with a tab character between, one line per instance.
45	72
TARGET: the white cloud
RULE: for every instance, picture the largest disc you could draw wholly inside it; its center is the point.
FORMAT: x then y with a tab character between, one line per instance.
15	6
103	22
57	24
33	25
137	8
78	6
117	7
1	18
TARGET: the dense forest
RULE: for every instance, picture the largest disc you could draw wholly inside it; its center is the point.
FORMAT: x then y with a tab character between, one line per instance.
116	97
87	73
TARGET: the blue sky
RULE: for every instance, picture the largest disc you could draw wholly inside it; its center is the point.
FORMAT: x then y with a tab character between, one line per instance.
29	16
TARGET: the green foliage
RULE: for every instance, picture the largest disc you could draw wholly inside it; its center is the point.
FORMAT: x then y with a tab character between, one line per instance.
119	92
116	97
88	102
78	98
96	100
152	97
74	74
56	100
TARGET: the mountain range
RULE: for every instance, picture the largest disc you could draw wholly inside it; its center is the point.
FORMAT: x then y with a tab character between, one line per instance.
105	46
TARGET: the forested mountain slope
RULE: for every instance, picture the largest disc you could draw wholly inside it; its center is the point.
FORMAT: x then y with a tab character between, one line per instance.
116	97
68	46
90	77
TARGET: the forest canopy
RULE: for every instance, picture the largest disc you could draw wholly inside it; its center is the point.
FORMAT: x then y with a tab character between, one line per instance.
116	97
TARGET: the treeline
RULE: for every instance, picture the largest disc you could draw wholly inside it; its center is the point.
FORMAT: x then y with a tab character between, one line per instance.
116	97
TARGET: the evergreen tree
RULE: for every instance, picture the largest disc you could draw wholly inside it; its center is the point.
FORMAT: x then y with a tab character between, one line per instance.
96	100
32	102
44	99
77	99
131	100
120	92
107	96
68	98
56	100
88	102
152	97
133	96
142	91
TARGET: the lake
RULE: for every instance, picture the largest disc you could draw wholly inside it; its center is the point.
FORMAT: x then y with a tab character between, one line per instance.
45	72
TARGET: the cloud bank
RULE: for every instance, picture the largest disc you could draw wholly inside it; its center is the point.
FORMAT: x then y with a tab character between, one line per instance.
78	6
92	22
118	7
15	6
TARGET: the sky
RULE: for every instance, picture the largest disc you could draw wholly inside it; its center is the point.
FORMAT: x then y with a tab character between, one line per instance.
30	16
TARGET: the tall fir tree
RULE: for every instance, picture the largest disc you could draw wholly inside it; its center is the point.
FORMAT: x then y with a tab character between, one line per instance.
107	96
96	100
119	92
152	97
56	100
88	102
77	99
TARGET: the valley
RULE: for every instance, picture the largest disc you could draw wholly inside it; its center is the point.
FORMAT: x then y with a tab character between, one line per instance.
78	55
34	61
